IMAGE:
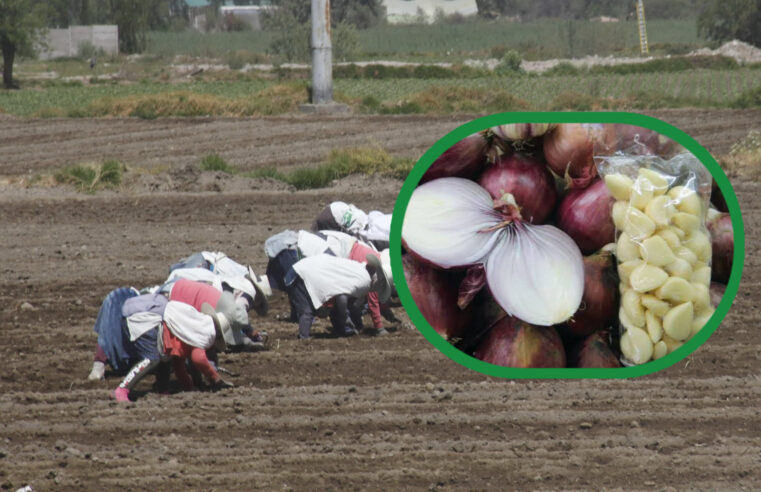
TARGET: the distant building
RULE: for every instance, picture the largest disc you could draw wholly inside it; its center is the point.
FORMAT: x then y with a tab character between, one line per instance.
250	14
408	11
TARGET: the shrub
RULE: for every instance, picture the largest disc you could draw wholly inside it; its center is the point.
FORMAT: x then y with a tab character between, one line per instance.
510	63
214	162
91	176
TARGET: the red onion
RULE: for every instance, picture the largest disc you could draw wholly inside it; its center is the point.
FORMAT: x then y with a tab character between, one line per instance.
569	150
514	343
717	292
527	179
637	140
722	246
599	304
464	159
435	294
584	214
593	352
717	198
535	272
522	131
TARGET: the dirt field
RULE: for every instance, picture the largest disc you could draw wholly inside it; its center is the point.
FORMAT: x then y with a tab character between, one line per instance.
362	414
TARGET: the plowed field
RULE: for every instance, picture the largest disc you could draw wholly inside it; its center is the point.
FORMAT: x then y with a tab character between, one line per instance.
365	413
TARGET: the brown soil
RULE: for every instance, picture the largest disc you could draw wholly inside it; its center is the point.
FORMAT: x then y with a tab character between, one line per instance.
365	413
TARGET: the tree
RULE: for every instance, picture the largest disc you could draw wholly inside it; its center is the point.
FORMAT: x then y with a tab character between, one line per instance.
724	20
21	25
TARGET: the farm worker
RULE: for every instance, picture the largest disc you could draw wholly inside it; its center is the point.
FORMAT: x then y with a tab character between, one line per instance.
346	246
314	281
340	216
378	229
144	315
114	347
238	296
188	333
214	261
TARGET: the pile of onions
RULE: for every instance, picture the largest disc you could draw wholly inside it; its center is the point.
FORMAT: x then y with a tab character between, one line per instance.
535	272
518	223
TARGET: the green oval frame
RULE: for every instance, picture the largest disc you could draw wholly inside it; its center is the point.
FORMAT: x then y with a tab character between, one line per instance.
566	117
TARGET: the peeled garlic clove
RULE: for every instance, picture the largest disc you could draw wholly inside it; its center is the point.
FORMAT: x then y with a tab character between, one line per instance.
624	319
679	233
701	274
647	277
688	223
660	349
670	237
655	305
619	214
625	269
699	322
686	200
679	268
654	326
677	323
659	182
671	344
701	296
631	304
686	254
699	244
655	250
675	289
619	185
626	249
636	346
642	193
637	224
660	210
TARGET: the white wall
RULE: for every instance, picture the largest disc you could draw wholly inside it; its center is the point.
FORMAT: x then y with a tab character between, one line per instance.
65	42
401	11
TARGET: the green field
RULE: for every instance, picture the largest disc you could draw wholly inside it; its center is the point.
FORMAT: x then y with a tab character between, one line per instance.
707	88
455	42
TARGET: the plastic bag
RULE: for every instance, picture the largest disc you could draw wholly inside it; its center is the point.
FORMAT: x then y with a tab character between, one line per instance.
663	249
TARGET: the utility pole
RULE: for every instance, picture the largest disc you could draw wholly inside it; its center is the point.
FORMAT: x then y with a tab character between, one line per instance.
322	62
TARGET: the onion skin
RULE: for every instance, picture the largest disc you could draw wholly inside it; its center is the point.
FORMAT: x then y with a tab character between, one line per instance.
599	304
569	150
722	247
471	285
585	215
513	343
717	292
527	179
435	294
465	159
593	352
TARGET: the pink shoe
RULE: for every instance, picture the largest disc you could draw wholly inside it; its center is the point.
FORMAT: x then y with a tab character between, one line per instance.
121	394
